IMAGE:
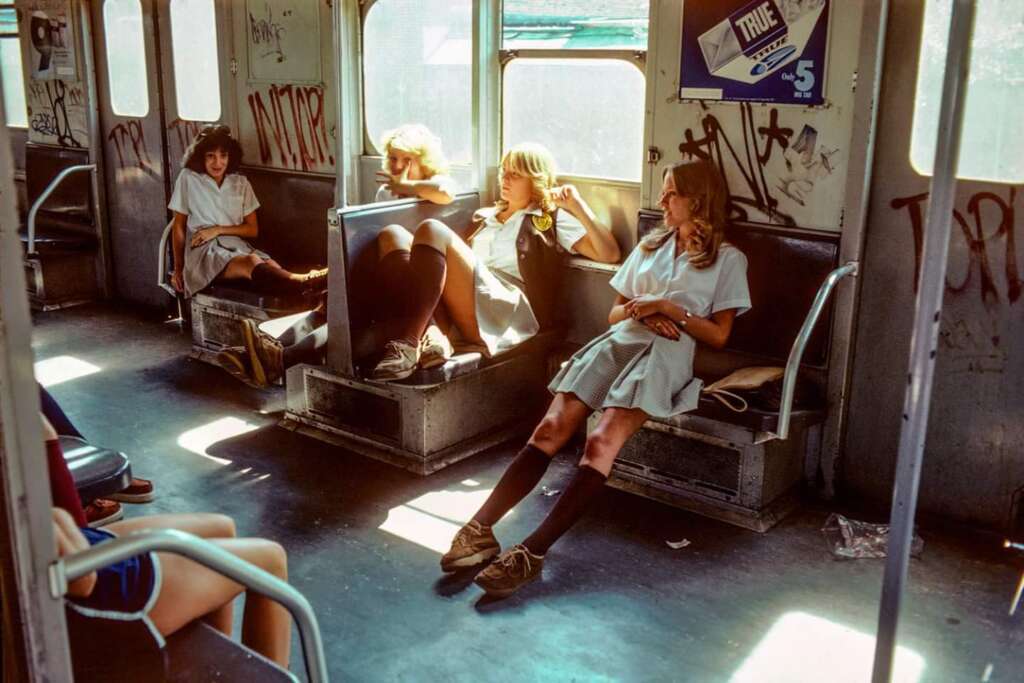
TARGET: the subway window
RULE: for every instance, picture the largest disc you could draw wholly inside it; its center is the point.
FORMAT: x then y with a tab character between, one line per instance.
196	69
10	67
417	68
126	57
991	147
573	81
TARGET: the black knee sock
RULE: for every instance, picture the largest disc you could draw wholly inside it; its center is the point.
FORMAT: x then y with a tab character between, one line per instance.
573	502
266	278
391	277
427	269
310	349
519	479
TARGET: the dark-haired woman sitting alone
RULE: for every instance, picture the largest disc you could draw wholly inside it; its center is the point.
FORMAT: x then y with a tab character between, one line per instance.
680	286
214	214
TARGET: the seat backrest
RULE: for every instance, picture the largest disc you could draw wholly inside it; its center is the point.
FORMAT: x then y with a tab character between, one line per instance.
785	268
353	262
72	200
292	215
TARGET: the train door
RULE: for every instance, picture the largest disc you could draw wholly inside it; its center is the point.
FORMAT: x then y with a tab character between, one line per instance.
131	131
975	424
196	67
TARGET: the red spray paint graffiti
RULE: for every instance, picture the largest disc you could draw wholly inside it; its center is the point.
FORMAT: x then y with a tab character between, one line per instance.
185	132
296	125
977	241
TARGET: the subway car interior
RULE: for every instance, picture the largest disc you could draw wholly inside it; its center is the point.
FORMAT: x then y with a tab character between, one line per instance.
510	340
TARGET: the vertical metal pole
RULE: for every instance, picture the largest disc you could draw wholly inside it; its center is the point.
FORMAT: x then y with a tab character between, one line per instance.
338	47
927	317
38	635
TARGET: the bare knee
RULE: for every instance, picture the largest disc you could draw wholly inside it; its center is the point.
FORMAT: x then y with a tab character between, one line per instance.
393	237
273	558
434	233
601	450
220	525
553	429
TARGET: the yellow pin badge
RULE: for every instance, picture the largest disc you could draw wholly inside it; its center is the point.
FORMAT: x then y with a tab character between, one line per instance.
542	222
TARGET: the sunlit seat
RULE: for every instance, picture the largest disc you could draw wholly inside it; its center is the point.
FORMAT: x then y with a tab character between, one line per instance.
435	417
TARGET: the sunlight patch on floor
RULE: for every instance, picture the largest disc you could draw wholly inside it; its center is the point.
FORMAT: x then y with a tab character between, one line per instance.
58	369
198	440
432	520
802	648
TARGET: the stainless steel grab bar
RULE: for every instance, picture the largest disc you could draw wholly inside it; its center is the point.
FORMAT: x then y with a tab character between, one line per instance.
209	555
796	352
46	195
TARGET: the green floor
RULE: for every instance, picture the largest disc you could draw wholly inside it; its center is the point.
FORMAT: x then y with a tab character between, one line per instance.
616	603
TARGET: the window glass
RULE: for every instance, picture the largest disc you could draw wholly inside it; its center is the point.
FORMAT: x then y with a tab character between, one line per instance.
575	24
14	86
588	112
417	68
991	147
126	57
196	69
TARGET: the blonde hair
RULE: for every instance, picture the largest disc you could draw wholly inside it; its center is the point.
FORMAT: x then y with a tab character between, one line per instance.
534	161
701	183
415	138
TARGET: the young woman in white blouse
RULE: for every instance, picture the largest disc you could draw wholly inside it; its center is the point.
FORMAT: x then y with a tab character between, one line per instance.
680	286
498	292
214	214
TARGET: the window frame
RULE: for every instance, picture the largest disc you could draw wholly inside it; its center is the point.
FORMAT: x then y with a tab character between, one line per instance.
145	71
10	4
223	86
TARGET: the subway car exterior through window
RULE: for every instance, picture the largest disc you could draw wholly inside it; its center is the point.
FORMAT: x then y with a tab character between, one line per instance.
511	340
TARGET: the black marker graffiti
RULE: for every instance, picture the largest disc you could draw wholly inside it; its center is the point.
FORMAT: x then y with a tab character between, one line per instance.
268	32
56	121
977	242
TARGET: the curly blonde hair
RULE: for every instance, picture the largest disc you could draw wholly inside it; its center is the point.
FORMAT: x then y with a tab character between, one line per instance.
701	183
415	138
534	161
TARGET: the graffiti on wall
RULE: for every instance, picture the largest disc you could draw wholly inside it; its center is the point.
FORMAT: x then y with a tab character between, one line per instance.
986	227
983	234
129	140
56	113
265	33
291	127
181	133
770	173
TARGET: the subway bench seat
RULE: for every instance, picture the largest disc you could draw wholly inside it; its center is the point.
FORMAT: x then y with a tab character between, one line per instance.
60	237
435	417
745	468
292	230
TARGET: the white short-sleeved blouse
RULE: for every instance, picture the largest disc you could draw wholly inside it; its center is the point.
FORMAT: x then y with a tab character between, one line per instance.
198	196
495	244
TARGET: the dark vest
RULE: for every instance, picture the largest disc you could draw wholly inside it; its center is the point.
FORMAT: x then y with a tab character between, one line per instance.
542	265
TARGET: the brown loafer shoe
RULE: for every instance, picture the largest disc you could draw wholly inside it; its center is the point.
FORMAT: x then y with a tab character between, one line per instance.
473	545
102	511
139	491
512	570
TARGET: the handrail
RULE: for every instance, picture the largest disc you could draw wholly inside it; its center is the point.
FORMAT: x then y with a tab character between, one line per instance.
161	268
209	555
796	352
46	195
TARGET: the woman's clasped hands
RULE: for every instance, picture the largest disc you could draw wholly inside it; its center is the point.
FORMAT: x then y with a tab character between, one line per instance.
656	313
204	235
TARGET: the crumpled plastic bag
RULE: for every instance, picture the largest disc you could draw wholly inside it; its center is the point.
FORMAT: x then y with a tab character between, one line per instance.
850	539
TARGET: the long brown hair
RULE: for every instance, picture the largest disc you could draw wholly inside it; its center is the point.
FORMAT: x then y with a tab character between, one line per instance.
700	182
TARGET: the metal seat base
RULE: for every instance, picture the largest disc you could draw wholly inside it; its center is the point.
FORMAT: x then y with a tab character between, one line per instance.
421	428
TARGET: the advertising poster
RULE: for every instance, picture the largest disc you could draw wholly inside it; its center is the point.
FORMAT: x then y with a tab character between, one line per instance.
52	42
754	51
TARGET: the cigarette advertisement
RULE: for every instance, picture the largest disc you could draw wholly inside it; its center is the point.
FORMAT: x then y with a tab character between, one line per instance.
52	43
755	51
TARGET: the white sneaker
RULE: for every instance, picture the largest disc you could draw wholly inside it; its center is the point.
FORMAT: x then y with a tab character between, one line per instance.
399	361
435	348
